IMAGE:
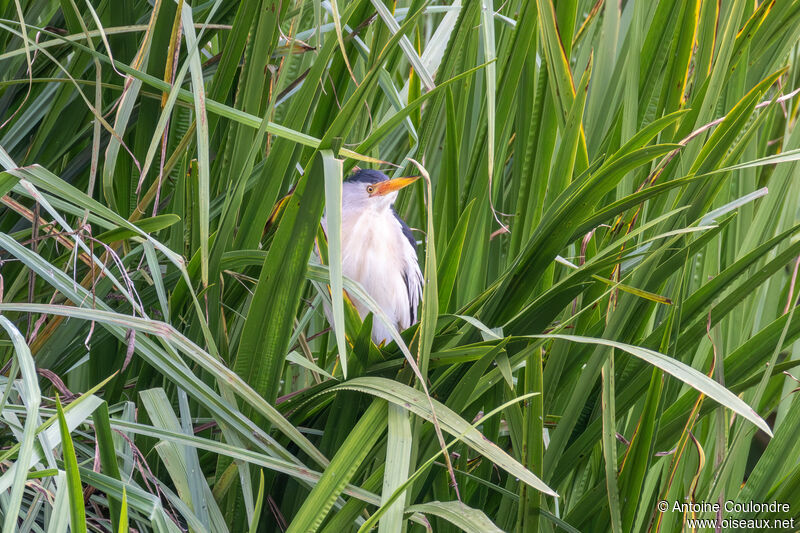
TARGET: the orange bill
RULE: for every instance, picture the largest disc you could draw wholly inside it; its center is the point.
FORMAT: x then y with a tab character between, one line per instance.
385	187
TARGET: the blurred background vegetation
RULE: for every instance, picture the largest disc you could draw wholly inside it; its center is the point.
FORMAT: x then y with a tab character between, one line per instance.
609	239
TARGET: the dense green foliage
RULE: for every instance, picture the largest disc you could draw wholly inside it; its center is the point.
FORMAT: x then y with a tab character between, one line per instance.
609	234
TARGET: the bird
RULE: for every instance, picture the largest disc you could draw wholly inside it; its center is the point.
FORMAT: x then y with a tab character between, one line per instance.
378	249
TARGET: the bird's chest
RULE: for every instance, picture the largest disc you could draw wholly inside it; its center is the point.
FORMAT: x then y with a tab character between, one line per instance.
372	248
374	254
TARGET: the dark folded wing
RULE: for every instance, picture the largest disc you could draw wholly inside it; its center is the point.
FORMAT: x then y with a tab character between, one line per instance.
406	230
412	277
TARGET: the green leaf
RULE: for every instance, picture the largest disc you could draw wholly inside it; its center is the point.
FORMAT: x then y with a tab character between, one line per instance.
108	461
182	462
565	164
123	512
610	443
342	468
146	225
450	262
77	512
333	171
562	90
398	461
687	374
416	402
118	324
405	44
29	390
259	503
464	517
637	458
199	97
554	233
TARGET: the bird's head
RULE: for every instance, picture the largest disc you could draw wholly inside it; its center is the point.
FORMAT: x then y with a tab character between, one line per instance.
371	189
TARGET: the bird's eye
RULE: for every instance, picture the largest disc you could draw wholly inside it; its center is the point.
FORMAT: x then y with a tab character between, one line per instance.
370	189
